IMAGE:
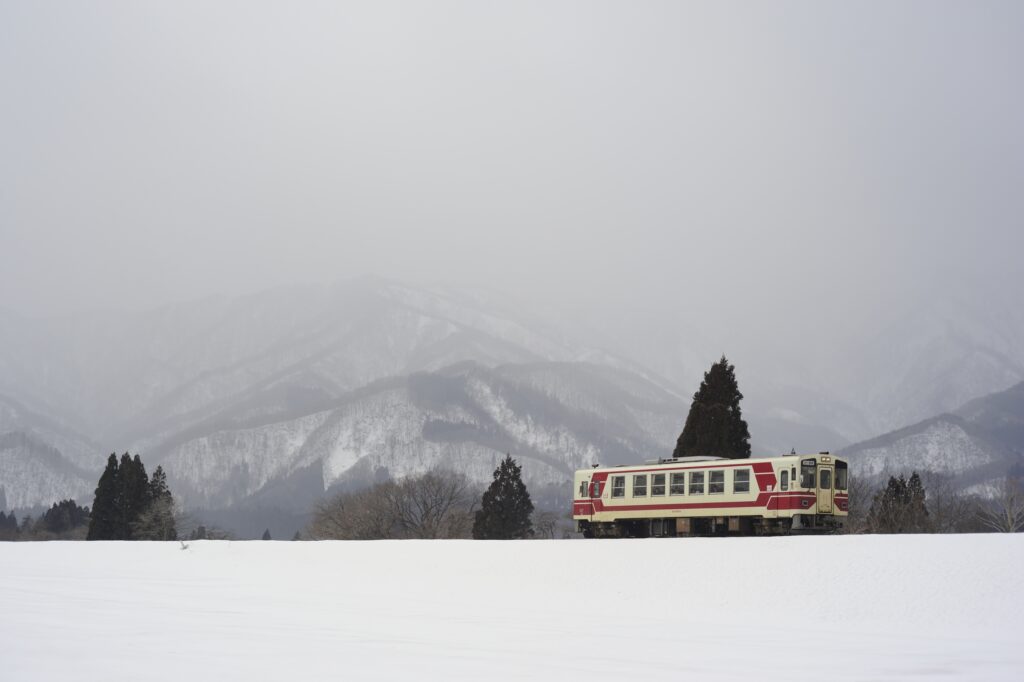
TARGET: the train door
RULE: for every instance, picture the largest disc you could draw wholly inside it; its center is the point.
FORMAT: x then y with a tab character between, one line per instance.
824	489
583	506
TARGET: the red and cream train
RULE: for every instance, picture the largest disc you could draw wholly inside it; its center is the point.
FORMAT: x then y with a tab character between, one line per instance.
713	496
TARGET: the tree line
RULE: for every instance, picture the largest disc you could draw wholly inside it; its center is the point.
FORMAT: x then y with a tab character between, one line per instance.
64	520
129	505
438	504
914	505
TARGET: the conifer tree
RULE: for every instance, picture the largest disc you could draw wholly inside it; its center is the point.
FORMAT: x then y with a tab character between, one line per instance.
8	526
105	505
133	485
157	521
128	506
715	426
64	516
266	534
900	507
916	510
505	508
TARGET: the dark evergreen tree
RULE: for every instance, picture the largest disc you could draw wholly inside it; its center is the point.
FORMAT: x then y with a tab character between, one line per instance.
157	521
899	507
8	526
133	487
105	505
158	484
505	508
64	516
266	534
715	426
129	506
917	511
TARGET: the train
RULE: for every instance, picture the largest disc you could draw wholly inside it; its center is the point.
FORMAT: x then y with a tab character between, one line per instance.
713	496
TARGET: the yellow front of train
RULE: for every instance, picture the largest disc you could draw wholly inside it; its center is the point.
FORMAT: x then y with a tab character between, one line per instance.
827	479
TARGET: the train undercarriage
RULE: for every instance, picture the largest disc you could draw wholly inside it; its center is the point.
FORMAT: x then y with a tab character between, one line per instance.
714	526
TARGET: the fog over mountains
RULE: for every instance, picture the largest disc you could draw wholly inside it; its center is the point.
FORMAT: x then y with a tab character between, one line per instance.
273	398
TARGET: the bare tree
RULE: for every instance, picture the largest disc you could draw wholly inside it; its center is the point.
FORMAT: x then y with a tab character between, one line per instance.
438	504
545	524
860	495
157	522
363	515
1005	513
949	510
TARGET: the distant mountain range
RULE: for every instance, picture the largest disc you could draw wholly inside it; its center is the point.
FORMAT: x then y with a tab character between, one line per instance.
976	446
273	398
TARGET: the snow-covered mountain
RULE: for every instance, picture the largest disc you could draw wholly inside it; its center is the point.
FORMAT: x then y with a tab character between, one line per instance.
32	473
237	397
555	417
275	396
818	386
975	446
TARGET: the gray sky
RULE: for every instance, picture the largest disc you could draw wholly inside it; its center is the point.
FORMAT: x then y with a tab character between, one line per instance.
838	156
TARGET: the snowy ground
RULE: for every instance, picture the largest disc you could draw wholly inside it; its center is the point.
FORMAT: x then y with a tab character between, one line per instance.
829	608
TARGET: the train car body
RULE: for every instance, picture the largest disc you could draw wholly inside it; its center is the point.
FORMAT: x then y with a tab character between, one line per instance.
713	496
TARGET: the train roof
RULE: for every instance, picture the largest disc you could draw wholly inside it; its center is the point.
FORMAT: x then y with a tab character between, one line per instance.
667	462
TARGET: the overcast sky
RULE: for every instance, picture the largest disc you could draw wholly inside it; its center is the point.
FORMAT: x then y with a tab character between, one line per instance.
823	155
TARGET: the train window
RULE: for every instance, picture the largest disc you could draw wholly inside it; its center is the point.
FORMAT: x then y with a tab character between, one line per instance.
696	482
716	482
618	486
841	476
640	485
826	479
678	485
784	482
741	481
807	473
595	489
657	484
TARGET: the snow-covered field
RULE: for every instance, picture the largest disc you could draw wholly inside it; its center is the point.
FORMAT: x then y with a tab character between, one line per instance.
829	608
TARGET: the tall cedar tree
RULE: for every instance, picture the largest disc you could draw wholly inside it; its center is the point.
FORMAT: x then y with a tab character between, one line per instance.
715	427
505	508
135	494
103	523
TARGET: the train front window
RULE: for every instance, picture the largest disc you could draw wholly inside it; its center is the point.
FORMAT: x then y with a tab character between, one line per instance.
640	486
807	467
842	476
678	485
826	479
784	484
697	483
595	489
657	484
583	488
618	486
